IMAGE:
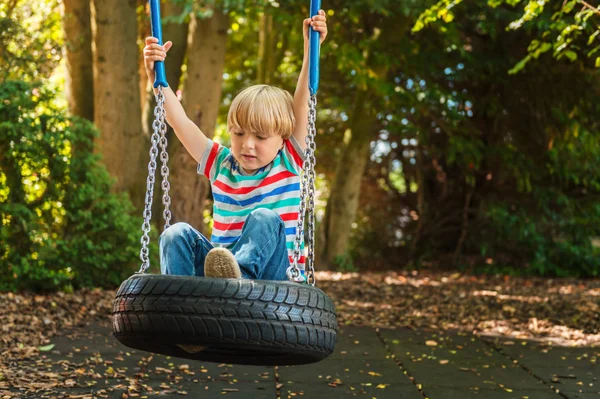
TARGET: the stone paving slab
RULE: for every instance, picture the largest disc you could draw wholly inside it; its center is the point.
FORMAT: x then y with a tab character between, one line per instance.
461	393
572	371
416	346
359	357
450	363
346	371
569	379
542	354
574	395
360	366
366	363
364	390
359	343
113	365
161	365
480	378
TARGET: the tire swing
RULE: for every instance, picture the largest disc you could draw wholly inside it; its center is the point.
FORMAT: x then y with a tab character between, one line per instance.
237	321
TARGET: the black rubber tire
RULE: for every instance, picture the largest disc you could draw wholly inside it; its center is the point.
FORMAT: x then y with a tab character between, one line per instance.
255	322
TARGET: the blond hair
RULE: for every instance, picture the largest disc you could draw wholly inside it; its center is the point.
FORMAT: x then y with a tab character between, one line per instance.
262	108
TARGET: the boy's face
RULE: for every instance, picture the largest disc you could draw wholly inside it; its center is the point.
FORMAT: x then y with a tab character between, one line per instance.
253	150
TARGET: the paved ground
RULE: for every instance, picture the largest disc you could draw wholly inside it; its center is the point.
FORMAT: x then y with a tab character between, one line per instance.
399	364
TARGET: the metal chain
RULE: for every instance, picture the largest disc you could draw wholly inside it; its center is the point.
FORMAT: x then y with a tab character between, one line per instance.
164	158
307	194
293	272
158	130
310	155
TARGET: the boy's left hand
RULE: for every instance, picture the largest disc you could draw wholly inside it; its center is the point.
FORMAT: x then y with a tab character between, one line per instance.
319	24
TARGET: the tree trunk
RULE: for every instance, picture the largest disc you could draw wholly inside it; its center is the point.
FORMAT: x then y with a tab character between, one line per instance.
421	211
345	189
144	30
465	227
267	49
10	8
117	112
207	42
79	88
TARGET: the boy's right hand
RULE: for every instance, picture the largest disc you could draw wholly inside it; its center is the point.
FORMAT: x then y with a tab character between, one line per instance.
154	52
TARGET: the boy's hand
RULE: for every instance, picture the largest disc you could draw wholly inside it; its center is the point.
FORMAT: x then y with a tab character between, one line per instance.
154	52
318	23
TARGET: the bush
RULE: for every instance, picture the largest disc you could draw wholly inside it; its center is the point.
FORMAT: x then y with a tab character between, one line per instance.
60	225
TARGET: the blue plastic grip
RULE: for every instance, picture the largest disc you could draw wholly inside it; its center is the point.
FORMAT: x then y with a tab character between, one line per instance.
159	66
314	49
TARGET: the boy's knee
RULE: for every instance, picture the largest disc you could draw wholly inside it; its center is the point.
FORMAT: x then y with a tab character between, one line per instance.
265	216
174	232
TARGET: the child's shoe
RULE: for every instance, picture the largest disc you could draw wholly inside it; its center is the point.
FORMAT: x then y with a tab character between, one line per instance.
221	263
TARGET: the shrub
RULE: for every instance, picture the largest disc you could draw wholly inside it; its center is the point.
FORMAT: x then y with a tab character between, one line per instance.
60	223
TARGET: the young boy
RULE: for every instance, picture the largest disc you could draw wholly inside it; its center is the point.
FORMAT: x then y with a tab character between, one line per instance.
255	184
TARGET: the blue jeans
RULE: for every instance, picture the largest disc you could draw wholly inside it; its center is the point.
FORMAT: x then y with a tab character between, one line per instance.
261	250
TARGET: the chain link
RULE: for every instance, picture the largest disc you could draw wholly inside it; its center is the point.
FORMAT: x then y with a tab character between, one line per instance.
310	141
159	129
307	195
164	170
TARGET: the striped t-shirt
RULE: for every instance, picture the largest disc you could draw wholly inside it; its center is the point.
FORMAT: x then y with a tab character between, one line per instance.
276	186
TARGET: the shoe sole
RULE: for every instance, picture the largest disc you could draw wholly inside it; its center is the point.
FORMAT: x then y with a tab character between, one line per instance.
220	263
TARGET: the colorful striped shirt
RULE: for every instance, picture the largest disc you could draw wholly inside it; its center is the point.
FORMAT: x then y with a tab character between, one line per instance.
276	186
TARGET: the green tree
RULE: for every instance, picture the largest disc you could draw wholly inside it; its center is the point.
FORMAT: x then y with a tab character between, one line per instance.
568	29
499	177
59	225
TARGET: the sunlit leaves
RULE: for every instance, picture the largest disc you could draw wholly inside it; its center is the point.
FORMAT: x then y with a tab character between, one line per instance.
535	49
440	11
532	10
561	25
31	36
60	224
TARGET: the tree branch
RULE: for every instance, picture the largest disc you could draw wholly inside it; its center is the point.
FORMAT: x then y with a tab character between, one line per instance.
591	7
12	4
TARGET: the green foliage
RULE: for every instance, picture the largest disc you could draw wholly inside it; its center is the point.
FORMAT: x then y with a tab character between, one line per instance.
555	221
60	224
441	10
476	163
30	39
344	263
556	242
205	8
569	28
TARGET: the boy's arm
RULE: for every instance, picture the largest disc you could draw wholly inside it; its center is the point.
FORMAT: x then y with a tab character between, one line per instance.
302	94
301	97
187	132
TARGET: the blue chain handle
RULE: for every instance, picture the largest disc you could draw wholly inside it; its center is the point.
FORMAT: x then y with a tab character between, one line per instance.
313	60
159	66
